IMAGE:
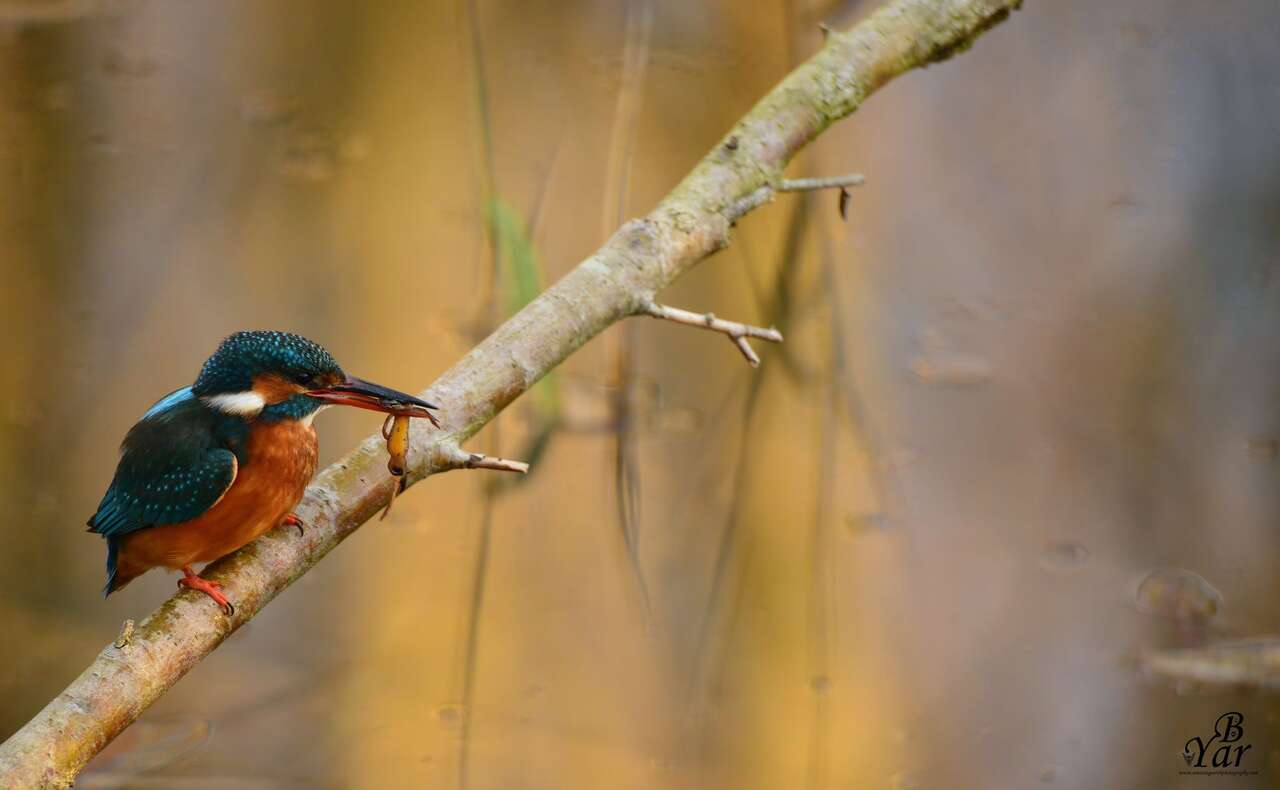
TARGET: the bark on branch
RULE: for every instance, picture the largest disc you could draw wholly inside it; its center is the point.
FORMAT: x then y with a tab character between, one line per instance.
621	279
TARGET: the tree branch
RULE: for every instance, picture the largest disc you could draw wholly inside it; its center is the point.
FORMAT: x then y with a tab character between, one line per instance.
618	280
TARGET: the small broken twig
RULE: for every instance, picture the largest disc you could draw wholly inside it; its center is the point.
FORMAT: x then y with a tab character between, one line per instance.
737	332
454	457
477	461
764	194
828	182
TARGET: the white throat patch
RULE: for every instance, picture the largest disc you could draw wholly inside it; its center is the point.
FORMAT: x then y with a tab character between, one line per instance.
307	420
245	404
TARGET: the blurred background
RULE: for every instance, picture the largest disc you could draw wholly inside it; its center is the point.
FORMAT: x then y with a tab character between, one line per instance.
1023	432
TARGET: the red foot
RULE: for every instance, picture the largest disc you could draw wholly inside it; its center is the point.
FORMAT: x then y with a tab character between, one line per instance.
209	588
294	521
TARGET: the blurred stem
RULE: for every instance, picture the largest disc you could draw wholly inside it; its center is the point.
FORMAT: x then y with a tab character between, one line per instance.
622	143
820	619
777	310
483	125
626	461
486	316
479	572
618	280
817	768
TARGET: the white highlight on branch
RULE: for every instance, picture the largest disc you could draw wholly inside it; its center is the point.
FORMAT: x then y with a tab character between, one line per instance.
736	332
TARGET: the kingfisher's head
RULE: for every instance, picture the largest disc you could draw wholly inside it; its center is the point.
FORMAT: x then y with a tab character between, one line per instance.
278	375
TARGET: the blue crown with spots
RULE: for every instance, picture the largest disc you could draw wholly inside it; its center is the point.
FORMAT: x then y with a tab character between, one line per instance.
245	355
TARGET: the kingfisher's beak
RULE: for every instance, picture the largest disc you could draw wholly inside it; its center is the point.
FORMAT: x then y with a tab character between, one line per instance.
374	397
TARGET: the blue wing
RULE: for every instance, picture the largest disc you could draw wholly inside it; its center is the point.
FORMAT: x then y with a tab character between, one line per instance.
169	401
174	465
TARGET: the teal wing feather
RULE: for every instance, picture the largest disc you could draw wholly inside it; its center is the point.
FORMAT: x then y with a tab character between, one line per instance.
175	464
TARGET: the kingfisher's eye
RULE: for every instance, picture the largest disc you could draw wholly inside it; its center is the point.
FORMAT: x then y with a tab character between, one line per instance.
303	378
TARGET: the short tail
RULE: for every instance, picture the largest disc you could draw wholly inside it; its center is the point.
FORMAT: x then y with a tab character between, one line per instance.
117	577
113	555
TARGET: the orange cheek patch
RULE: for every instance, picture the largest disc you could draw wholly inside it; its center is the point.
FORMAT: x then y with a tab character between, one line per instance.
275	389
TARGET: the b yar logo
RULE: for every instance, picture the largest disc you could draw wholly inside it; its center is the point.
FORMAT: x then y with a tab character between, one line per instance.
1223	751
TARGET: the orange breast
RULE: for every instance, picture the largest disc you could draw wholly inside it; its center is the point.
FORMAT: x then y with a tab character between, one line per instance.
280	461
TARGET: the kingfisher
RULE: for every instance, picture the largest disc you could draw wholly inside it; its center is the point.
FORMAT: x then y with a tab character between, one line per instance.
214	465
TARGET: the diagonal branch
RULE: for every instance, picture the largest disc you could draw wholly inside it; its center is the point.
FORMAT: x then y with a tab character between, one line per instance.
618	280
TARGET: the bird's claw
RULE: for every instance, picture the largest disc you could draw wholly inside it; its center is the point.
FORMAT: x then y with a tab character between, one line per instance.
293	521
210	588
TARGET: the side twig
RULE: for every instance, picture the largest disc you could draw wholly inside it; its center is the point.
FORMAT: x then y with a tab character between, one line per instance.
829	182
736	332
475	461
764	194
